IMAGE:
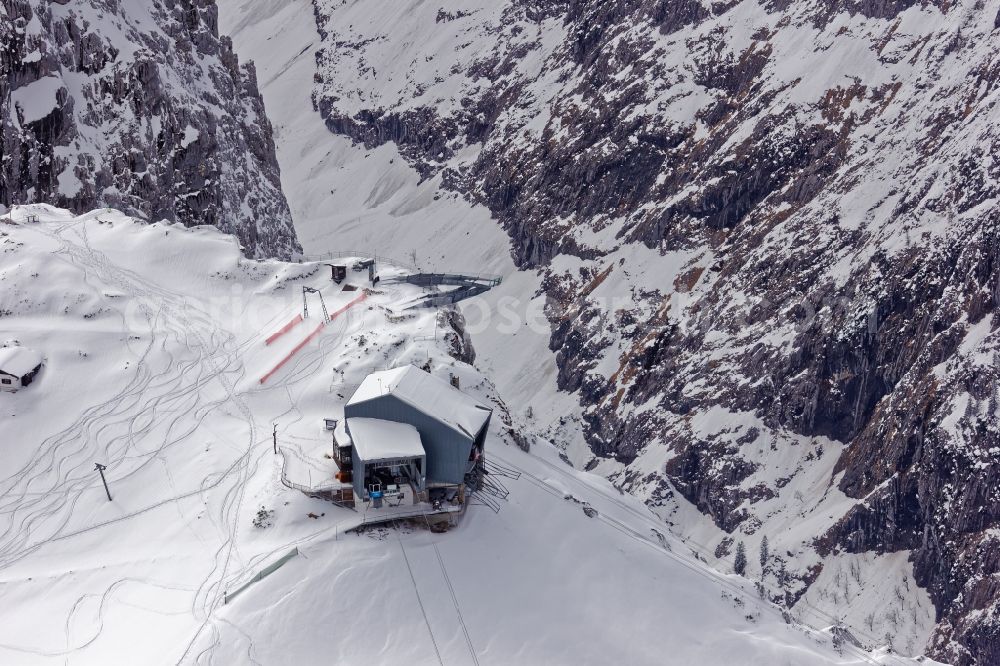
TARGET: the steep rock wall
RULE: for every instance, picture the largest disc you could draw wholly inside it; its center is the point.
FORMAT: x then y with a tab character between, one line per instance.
141	107
769	232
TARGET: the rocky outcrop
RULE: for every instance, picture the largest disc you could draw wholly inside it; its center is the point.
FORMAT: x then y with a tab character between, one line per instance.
777	230
141	107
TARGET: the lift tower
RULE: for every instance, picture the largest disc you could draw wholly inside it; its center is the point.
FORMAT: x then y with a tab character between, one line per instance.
305	303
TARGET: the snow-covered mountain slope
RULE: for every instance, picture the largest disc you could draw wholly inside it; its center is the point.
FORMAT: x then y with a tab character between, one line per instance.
140	106
340	196
765	235
347	197
153	337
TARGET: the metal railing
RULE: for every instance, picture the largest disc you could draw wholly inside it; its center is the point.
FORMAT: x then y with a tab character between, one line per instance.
327	487
360	254
456	279
468	276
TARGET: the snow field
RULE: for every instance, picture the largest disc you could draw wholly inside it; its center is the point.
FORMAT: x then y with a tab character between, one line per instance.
167	396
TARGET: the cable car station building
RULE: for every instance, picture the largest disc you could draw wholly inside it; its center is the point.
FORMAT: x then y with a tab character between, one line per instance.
405	428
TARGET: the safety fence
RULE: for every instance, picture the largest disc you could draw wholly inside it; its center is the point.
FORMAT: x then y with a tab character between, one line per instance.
262	574
308	338
292	353
358	299
284	329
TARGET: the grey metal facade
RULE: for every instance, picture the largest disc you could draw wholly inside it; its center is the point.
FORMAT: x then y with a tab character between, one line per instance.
447	450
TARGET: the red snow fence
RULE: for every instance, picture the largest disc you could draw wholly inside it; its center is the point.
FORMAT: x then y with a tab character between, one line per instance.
290	325
292	353
358	299
284	329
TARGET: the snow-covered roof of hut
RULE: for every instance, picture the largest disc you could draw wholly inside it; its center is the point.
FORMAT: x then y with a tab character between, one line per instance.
431	395
375	439
340	434
19	361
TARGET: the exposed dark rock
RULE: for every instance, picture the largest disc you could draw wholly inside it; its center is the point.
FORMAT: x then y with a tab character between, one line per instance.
174	129
458	339
832	240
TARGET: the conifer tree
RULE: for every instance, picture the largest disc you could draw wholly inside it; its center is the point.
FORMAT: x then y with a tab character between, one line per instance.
740	564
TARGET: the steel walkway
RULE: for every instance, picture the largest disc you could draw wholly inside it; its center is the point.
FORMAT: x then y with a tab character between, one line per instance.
466	285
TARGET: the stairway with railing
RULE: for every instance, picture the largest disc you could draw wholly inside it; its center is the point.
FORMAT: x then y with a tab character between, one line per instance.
486	488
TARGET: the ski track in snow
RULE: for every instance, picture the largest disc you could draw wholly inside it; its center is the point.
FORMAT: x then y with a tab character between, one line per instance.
38	501
194	375
143	400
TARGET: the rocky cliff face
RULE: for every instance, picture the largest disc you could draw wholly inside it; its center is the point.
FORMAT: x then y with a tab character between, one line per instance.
771	238
139	106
